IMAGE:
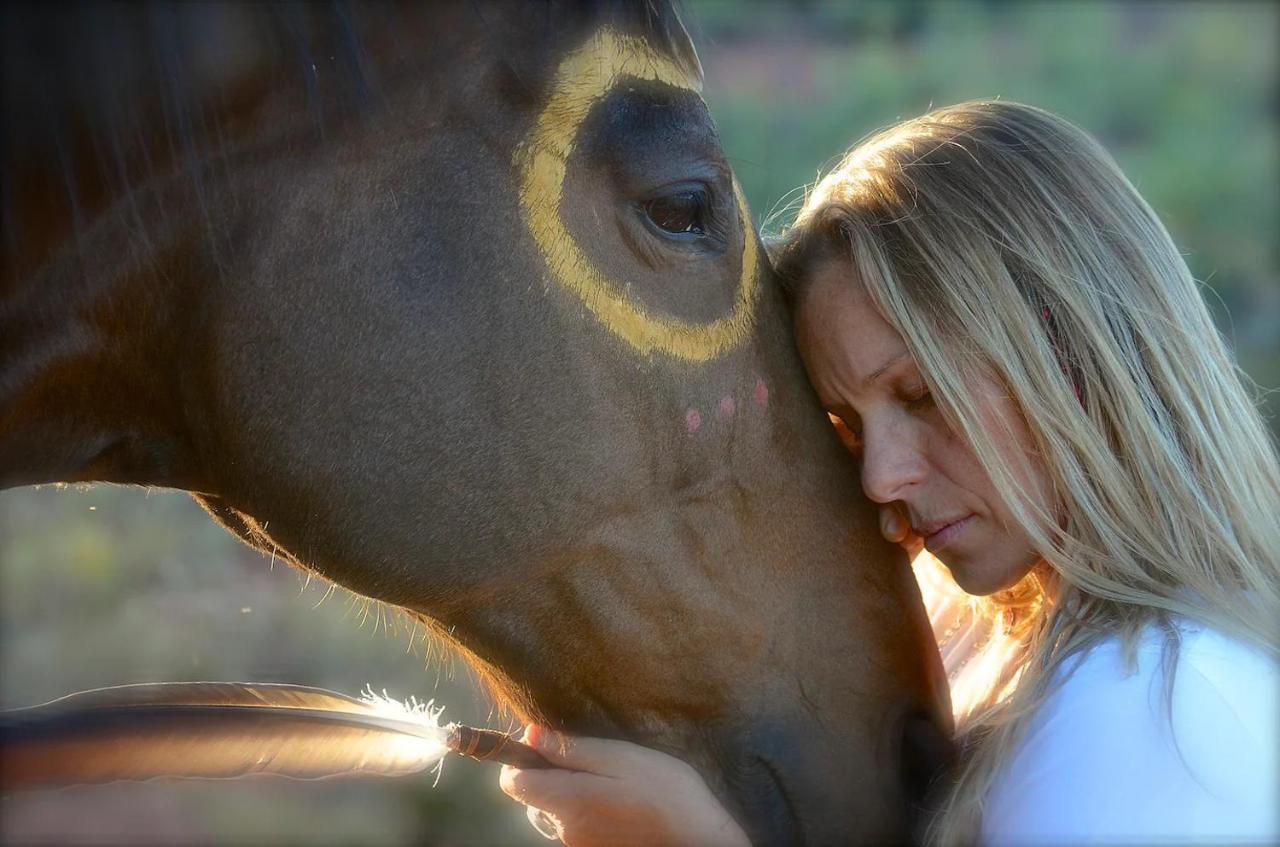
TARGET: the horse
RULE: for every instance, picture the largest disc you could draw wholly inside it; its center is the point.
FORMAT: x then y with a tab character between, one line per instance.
459	306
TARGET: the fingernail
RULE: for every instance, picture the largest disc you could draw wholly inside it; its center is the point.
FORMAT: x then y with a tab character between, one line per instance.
535	736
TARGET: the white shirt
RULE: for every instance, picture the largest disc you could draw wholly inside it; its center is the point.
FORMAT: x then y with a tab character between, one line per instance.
1102	763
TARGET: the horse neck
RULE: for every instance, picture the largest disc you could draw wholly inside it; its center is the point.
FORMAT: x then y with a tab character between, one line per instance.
93	352
121	204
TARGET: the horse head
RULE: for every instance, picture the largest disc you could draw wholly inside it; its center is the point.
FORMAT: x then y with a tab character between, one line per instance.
461	307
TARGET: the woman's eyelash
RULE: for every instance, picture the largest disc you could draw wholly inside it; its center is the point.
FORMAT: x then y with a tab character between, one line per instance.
920	400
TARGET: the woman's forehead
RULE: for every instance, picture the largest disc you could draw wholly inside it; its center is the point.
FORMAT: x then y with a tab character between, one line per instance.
836	298
841	333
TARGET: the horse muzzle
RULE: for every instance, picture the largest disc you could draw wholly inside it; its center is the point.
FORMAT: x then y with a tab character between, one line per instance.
802	781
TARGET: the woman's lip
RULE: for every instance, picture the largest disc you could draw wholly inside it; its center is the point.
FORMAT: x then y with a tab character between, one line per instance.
946	535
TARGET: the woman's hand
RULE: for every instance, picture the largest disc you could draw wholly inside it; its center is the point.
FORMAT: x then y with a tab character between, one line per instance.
613	792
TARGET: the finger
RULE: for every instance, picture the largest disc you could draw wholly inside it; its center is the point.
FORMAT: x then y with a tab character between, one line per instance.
557	791
600	756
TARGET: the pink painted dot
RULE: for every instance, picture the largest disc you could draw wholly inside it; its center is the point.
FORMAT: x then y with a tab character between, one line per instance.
727	405
762	393
692	421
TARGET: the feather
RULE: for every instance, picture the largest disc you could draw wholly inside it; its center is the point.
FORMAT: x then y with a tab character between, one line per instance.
214	730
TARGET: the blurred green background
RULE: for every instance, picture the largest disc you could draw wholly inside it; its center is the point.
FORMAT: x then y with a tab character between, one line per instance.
107	585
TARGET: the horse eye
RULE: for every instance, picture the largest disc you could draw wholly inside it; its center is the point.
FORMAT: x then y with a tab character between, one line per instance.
683	212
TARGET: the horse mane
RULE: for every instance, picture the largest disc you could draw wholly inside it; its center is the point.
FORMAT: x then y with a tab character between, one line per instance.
101	97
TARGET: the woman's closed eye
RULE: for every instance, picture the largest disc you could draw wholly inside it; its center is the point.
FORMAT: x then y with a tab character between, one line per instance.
918	398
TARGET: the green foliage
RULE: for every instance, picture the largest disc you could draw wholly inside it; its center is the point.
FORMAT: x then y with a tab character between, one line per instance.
1184	95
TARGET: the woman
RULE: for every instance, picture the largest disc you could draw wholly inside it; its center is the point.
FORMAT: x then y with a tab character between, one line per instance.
1005	332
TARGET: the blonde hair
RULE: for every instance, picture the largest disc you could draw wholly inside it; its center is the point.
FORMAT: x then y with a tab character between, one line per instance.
1001	240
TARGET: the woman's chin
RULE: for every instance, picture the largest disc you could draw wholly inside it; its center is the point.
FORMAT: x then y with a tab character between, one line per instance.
984	578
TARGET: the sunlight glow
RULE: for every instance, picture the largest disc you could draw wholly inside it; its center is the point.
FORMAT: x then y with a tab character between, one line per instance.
976	648
428	744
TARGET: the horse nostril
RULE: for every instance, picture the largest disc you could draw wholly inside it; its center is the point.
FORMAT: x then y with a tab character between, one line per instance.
784	824
754	764
927	752
763	805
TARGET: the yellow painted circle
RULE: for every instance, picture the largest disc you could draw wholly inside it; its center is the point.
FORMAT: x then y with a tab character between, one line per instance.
584	77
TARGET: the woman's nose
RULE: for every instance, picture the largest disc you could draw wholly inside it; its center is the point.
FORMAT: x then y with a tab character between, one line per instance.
892	463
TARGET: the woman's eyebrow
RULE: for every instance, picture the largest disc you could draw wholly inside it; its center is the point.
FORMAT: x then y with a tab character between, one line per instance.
879	372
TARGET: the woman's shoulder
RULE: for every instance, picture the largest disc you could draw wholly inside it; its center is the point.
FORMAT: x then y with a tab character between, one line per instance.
1173	746
1192	657
1217	673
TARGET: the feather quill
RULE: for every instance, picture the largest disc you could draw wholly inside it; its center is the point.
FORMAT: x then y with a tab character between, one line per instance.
214	730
